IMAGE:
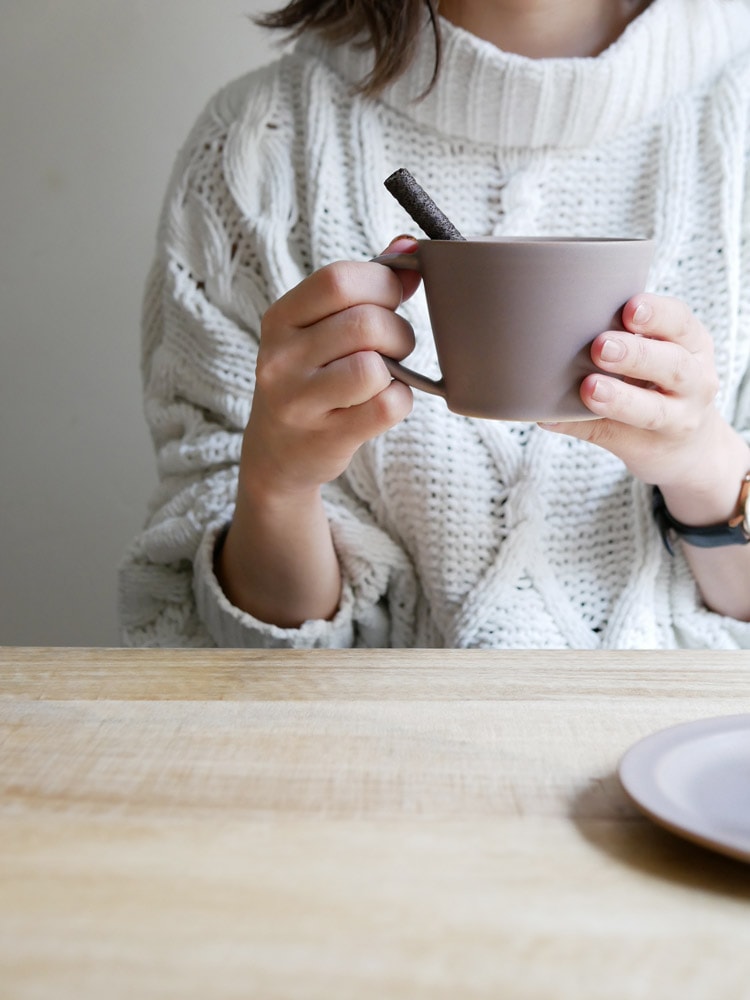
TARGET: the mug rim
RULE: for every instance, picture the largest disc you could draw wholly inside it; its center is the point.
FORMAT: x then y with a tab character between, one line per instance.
547	240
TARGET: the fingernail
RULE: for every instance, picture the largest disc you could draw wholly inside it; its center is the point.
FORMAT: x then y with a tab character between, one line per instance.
403	243
642	314
602	391
612	350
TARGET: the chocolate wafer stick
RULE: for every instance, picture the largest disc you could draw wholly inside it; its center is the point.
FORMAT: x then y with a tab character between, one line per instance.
420	206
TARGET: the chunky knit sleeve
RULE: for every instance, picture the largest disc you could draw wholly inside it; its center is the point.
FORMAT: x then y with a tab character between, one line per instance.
231	240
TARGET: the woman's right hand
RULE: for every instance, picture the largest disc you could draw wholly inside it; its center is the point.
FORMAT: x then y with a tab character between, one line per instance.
322	388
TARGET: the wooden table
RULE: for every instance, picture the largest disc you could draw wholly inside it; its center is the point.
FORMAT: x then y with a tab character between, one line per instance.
355	825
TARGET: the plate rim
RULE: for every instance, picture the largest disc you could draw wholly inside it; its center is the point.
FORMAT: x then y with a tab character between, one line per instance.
648	750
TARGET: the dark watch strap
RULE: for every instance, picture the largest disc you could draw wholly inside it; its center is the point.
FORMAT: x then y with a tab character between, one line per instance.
708	537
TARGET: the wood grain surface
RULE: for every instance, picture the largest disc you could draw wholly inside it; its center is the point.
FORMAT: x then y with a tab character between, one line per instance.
355	824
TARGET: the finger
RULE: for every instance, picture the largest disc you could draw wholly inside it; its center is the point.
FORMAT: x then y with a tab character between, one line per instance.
333	364
334	288
360	328
375	415
350	381
584	430
665	364
409	279
666	318
305	400
614	437
634	405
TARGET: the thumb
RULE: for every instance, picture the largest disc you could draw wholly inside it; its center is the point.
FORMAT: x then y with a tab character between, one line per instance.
409	279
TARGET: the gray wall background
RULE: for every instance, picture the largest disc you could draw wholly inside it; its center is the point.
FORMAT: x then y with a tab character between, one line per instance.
96	97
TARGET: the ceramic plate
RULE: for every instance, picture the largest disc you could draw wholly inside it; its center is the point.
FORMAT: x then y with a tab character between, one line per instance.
694	779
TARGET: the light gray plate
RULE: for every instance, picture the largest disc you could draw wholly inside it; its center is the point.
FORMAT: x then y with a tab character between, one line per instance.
694	779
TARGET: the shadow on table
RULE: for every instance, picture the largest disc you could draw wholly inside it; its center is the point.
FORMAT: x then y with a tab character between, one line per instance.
607	819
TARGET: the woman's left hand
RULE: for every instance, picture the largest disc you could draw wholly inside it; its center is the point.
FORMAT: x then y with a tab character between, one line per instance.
659	416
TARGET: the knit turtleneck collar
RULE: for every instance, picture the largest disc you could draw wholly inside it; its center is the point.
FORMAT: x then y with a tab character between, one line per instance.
487	95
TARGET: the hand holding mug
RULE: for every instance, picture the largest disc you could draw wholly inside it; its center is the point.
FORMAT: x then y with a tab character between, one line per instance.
654	393
322	388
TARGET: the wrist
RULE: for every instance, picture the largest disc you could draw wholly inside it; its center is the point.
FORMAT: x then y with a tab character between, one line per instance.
261	500
709	493
277	561
702	507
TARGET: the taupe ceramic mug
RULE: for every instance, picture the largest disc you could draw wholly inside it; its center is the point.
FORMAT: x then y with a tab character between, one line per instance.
513	319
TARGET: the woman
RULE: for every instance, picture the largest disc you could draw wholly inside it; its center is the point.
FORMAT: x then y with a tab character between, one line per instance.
307	499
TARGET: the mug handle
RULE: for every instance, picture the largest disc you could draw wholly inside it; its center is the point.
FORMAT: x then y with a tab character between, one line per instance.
436	387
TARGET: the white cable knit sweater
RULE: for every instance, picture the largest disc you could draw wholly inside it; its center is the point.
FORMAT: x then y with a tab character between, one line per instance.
450	531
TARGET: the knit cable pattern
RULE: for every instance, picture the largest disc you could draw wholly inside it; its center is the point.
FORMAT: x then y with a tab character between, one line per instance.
450	531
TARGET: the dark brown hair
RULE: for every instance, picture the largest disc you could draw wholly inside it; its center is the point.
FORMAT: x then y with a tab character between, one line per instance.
388	27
